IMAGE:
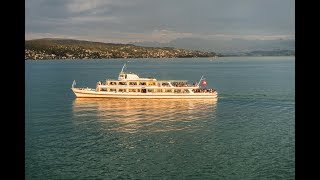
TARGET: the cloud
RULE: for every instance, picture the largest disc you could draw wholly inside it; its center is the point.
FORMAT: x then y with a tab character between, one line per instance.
249	37
165	20
84	5
78	6
30	36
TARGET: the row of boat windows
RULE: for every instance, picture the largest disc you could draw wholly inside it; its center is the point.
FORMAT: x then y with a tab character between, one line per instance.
137	83
147	90
163	84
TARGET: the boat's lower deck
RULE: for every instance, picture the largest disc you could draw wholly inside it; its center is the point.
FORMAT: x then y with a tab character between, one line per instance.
79	92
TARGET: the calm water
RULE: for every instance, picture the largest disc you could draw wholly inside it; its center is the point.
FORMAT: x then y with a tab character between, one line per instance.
247	134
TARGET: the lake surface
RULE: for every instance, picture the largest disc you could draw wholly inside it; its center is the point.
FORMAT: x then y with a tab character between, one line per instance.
248	133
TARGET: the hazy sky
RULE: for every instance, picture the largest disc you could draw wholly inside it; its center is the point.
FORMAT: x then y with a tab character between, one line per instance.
159	20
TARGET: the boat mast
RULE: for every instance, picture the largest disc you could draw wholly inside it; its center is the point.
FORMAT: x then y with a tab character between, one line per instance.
200	80
73	83
123	67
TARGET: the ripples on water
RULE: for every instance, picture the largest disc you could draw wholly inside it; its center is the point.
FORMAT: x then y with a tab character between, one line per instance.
139	115
248	133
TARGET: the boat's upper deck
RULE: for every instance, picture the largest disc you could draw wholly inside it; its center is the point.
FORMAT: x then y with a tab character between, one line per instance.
131	77
133	80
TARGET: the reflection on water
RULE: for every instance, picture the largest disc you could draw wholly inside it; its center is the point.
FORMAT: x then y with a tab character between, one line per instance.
151	115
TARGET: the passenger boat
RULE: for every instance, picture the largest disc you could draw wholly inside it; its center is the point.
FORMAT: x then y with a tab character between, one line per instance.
130	85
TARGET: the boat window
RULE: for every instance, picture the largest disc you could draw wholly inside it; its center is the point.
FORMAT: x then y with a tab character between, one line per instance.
138	90
150	90
168	90
132	90
196	90
185	91
143	90
165	84
122	83
112	90
113	83
122	90
152	83
158	90
179	84
133	83
103	89
142	83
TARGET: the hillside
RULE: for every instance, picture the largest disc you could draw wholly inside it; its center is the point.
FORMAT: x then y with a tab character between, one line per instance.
77	49
226	46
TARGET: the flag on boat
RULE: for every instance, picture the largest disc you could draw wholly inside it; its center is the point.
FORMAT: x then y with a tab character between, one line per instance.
204	82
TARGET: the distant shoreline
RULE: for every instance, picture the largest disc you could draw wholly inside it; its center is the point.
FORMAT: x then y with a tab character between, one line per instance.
217	58
57	49
105	59
76	49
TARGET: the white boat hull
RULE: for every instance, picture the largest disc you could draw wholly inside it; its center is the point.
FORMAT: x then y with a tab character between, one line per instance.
91	93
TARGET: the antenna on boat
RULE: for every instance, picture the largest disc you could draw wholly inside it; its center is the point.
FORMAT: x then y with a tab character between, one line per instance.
124	66
73	83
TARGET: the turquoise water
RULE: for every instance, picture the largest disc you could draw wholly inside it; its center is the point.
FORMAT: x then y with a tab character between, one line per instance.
247	134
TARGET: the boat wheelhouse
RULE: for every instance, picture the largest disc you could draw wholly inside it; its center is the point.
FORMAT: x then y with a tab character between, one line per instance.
130	85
